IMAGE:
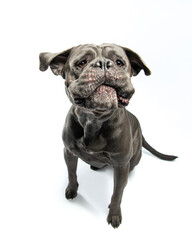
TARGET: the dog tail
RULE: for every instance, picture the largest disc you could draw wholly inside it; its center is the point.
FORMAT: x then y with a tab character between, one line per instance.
156	153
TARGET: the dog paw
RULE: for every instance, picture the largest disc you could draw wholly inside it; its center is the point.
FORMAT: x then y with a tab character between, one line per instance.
114	219
94	168
69	193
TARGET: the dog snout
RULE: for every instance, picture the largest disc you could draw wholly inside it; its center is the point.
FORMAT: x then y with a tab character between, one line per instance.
103	64
130	94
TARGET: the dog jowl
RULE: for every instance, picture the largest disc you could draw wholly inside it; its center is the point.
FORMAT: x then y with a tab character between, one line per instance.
98	129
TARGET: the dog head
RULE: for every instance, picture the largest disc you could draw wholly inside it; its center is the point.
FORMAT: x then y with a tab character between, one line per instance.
97	77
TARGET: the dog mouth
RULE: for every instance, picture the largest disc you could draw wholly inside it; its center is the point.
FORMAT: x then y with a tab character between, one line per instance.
123	101
104	97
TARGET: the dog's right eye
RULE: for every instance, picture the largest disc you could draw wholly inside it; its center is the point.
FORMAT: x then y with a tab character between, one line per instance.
82	63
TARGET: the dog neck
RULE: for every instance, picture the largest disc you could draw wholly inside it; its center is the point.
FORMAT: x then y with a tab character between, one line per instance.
93	121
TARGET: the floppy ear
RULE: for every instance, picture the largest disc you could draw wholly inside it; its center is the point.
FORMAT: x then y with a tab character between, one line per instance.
56	61
137	64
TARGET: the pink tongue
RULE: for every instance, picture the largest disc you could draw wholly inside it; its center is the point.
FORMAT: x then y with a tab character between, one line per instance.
103	97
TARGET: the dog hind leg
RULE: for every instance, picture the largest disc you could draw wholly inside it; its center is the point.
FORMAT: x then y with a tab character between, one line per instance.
135	160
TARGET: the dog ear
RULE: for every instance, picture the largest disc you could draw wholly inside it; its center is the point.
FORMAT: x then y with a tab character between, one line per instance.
56	61
137	64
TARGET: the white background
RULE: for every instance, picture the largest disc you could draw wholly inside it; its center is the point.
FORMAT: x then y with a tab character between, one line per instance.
157	200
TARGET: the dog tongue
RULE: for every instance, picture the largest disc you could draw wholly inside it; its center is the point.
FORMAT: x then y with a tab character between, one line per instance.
104	97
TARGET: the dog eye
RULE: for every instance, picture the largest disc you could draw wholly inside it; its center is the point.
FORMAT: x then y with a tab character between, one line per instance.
119	63
82	63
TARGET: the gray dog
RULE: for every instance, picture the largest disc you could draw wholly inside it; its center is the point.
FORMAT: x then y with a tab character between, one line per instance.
98	128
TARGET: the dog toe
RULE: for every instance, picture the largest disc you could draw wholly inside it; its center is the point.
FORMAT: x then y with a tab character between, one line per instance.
115	221
69	193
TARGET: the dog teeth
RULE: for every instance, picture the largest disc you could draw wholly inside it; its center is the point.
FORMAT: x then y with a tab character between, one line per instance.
123	100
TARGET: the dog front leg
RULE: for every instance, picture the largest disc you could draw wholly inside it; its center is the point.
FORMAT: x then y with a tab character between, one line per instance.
71	162
120	180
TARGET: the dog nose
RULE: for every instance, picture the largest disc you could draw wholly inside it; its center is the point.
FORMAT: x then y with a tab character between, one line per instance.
99	64
108	64
104	64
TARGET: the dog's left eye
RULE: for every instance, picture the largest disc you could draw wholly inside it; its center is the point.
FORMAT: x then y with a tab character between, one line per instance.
119	63
82	63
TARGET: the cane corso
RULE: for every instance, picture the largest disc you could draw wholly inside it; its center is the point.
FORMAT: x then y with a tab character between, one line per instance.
98	128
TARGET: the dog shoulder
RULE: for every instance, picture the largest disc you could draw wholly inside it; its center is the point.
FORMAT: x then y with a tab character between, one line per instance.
72	129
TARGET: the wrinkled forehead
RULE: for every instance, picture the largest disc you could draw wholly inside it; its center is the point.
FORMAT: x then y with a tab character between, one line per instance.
108	49
104	50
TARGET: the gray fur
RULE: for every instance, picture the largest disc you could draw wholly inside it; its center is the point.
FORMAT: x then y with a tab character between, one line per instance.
98	129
